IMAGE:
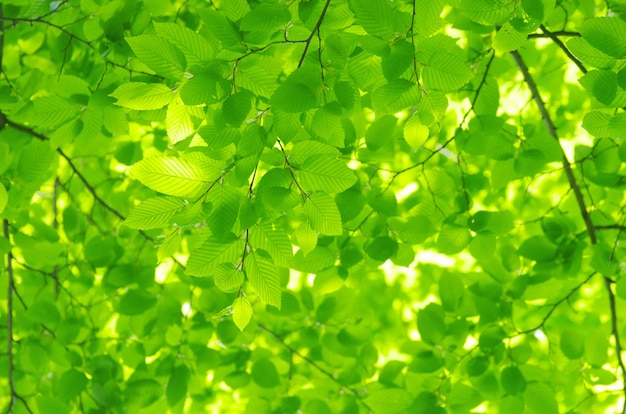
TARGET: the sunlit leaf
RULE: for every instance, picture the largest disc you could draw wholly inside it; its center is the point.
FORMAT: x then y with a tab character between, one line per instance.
242	312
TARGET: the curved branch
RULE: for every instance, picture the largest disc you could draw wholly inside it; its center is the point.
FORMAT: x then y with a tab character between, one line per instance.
314	364
591	229
308	40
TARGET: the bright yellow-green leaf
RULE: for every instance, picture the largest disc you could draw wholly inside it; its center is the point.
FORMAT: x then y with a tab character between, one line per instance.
242	312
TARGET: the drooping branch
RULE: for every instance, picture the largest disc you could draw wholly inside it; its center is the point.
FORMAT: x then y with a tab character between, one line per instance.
556	304
554	36
591	229
314	364
547	120
15	397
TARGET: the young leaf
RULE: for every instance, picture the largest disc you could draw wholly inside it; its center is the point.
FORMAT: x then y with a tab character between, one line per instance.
322	173
143	96
213	252
174	176
323	214
273	240
197	49
446	72
306	238
154	213
159	55
242	312
263	277
607	34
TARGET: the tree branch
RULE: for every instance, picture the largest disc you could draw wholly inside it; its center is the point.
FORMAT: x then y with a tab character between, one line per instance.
556	304
315	365
15	397
308	40
547	120
591	229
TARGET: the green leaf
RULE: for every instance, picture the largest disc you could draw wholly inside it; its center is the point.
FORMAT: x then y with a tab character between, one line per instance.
451	289
323	214
540	399
242	312
380	132
181	120
228	278
381	248
431	324
399	60
263	277
295	94
463	398
50	111
143	96
306	238
174	176
140	393
602	84
572	343
389	400
538	248
154	213
72	383
176	390
273	240
264	373
621	287
512	380
590	55
225	202
446	72
4	198
453	239
196	49
607	34
236	108
213	252
415	132
309	148
323	173
396	95
508	39
327	125
602	124
265	17
135	302
34	161
488	12
159	55
44	312
376	17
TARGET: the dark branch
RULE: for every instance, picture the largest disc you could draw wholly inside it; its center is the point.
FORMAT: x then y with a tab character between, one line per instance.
315	365
550	34
556	305
591	230
480	86
554	37
547	120
307	42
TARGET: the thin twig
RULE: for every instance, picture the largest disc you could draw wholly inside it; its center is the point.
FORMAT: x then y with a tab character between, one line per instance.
307	41
315	365
556	304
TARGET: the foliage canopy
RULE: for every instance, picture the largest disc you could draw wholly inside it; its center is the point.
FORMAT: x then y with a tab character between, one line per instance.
314	206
